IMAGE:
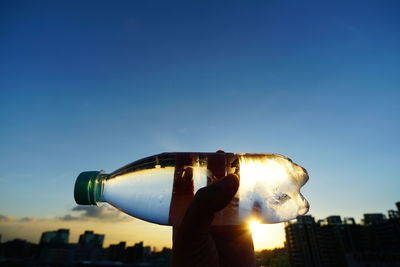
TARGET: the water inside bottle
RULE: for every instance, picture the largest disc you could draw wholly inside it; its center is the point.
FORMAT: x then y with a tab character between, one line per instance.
160	188
145	194
270	188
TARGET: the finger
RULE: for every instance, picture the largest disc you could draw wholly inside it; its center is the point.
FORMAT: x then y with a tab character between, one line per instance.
217	195
209	200
193	242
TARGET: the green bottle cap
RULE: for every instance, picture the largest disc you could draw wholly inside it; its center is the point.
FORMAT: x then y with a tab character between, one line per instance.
87	188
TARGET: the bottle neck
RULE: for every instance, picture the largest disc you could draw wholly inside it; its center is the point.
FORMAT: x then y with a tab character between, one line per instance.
98	186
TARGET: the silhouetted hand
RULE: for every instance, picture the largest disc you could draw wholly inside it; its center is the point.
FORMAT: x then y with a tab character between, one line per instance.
197	243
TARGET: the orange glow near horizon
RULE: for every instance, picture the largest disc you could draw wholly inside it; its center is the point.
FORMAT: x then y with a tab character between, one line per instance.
267	236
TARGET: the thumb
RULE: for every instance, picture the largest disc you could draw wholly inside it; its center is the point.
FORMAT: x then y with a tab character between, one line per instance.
192	240
209	200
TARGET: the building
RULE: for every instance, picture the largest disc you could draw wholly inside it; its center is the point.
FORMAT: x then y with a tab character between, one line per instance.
117	252
56	255
373	218
91	240
18	249
146	251
334	220
333	242
55	238
383	234
314	244
394	214
90	248
135	252
301	241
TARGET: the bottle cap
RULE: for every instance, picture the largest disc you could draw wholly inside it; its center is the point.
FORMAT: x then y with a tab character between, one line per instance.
86	187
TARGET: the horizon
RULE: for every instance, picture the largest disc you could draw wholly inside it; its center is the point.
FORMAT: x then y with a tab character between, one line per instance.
259	243
95	86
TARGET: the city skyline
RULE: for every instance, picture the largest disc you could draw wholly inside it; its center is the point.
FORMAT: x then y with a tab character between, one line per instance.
258	240
332	241
89	86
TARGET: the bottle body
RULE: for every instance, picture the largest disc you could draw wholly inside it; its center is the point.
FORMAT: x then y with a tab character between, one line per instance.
160	188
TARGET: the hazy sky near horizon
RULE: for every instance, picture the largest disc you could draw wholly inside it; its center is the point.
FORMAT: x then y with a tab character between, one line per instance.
90	85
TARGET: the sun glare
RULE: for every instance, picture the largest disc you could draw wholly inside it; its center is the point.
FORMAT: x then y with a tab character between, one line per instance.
254	226
266	236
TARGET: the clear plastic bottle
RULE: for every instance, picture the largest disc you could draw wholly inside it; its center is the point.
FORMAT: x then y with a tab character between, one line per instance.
159	188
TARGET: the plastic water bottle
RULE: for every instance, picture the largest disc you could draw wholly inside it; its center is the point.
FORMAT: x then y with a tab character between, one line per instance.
159	188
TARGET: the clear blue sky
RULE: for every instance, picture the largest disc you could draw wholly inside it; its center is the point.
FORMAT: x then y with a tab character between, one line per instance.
89	85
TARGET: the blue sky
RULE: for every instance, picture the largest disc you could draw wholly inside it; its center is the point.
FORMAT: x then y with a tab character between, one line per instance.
96	84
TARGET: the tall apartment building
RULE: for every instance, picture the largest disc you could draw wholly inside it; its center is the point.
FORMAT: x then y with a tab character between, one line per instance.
117	252
91	240
333	242
55	238
90	247
312	244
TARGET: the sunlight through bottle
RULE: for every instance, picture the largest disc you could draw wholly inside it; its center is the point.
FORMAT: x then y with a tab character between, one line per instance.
159	188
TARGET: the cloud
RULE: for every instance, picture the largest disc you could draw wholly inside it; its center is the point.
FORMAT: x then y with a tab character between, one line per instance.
27	219
69	217
5	218
79	213
104	213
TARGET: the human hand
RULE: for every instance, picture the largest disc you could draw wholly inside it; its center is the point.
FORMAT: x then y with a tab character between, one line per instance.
197	243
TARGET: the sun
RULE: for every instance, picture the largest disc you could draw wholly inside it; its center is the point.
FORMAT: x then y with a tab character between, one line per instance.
255	227
266	236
